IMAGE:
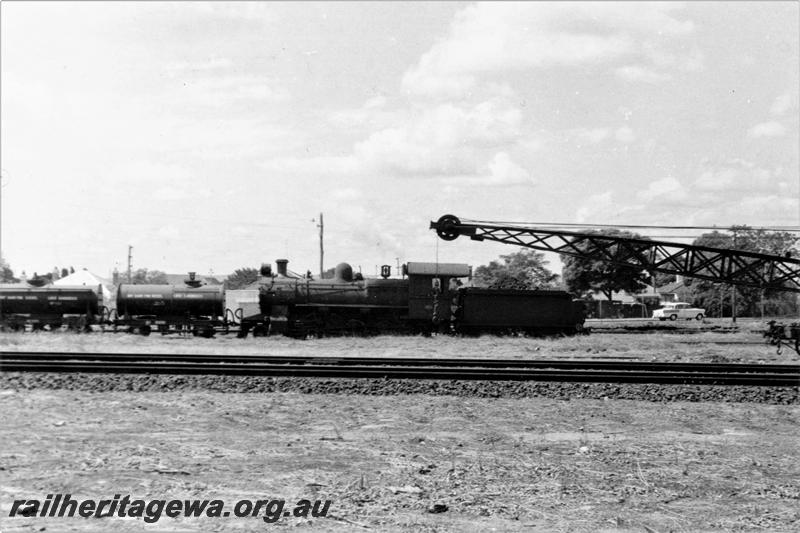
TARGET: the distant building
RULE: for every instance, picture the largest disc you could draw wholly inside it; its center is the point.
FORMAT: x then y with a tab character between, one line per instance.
677	291
623	304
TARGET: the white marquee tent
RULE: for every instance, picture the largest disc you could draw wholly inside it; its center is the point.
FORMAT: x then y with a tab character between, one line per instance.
87	279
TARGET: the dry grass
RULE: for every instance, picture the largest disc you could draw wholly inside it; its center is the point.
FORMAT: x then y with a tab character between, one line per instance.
743	346
507	465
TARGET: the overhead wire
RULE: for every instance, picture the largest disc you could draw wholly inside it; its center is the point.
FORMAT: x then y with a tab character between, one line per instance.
792	229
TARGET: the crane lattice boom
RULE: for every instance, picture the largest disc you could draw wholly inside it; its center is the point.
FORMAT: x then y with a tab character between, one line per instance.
720	265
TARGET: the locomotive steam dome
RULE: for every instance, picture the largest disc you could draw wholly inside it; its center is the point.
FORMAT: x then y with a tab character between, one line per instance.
343	272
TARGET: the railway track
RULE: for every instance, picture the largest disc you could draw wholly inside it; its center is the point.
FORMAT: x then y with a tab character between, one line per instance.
405	368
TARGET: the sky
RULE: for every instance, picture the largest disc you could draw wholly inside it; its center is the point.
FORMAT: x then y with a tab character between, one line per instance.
210	136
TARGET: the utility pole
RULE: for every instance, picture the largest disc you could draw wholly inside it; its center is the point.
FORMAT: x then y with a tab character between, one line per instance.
733	287
321	249
130	256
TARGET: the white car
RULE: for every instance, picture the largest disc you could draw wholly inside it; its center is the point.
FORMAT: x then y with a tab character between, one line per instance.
676	310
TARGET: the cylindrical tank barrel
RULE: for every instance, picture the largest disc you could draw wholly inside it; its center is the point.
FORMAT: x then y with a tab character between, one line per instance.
48	300
170	300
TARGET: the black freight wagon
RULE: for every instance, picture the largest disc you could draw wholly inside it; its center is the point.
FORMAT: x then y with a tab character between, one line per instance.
536	312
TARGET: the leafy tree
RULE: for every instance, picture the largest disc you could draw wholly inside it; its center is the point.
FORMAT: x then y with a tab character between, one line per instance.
583	275
64	272
143	276
750	301
241	277
41	281
525	269
6	274
662	279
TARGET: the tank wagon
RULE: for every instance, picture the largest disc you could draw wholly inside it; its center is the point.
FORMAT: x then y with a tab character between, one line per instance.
429	297
199	309
76	308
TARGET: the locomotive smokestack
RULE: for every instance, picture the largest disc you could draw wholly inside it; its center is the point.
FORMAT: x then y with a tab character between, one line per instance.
281	263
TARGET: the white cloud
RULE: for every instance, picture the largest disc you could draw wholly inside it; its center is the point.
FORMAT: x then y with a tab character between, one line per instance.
667	188
211	63
376	102
210	138
597	207
624	135
784	103
220	91
371	113
441	140
348	194
504	171
241	231
171	193
520	35
767	129
148	171
593	135
766	207
716	181
637	73
169	232
733	177
314	166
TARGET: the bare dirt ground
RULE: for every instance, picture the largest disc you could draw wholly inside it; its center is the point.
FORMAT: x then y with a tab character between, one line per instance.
502	464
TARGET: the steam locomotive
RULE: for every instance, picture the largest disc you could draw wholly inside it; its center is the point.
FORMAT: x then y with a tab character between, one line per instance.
429	297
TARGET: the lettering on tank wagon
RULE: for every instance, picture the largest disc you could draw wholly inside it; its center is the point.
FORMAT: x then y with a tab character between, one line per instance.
63	298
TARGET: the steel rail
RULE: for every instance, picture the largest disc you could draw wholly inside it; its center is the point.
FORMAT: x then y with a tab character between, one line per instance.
559	364
763	378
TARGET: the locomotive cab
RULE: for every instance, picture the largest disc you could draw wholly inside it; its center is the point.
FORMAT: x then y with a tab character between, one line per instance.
432	288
